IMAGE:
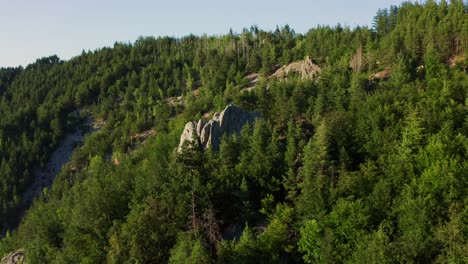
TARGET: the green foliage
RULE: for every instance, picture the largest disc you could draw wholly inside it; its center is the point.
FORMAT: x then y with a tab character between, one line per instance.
373	248
189	251
364	164
309	243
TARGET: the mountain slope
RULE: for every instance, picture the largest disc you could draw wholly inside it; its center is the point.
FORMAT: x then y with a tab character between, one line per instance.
342	168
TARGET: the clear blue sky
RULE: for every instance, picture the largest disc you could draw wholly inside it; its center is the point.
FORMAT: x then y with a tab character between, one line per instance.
30	29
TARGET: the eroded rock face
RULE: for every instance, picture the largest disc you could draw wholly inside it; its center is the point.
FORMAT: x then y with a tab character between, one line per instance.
190	134
16	257
205	134
306	68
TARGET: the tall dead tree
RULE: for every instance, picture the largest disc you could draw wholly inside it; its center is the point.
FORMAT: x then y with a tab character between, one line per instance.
211	228
356	60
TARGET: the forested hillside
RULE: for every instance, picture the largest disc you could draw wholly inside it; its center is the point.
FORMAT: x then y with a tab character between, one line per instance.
365	162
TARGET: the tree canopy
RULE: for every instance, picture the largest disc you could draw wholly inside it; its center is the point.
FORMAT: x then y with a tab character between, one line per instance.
366	163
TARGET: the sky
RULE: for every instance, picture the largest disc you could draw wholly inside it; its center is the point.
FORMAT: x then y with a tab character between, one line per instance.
32	29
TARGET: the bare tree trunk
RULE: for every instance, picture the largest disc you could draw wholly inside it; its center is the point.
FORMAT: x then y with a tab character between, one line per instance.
211	228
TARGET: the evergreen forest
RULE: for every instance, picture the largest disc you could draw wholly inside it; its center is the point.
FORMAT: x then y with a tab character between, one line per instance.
367	162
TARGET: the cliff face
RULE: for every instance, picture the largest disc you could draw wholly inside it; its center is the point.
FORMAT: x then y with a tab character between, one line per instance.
205	134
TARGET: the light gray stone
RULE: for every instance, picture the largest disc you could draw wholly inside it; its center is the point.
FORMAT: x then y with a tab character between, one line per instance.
15	257
229	121
189	135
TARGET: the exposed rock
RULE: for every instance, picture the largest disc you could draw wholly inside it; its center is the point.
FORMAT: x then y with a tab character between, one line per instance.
143	135
98	124
205	134
253	79
420	69
16	257
383	75
306	68
189	135
61	156
179	100
199	127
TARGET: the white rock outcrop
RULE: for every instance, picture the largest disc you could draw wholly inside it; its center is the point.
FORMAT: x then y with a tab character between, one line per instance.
307	69
204	134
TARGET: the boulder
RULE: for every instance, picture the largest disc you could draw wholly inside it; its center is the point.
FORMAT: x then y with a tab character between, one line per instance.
205	134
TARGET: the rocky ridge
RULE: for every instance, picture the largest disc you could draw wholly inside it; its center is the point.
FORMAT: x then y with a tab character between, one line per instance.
205	134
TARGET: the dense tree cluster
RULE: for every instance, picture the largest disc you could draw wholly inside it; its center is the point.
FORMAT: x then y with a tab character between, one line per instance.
353	166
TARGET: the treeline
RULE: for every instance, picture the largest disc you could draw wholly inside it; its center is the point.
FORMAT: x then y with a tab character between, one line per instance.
348	167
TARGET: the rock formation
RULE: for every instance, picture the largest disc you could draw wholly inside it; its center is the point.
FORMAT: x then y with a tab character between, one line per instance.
306	68
383	75
16	257
204	134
